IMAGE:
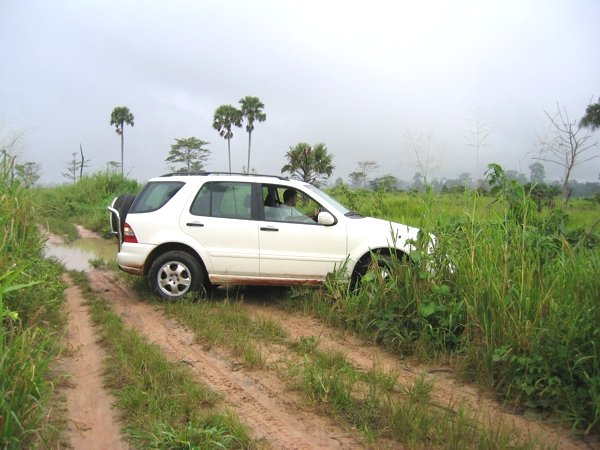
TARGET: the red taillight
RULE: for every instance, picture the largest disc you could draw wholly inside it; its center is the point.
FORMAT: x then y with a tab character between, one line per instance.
128	234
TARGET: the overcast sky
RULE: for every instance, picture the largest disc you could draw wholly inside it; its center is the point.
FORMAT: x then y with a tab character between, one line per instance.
374	80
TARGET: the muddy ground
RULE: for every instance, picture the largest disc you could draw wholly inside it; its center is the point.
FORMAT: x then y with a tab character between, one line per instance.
276	415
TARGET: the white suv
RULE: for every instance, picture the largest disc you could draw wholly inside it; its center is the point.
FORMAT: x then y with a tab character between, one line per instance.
191	231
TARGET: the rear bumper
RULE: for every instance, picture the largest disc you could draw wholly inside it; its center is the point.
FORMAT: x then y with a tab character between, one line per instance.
132	257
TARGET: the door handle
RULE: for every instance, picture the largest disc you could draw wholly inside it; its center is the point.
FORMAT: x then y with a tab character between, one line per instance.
269	229
194	224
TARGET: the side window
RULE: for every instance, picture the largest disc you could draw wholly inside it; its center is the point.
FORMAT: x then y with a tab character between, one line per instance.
283	204
201	204
224	199
155	195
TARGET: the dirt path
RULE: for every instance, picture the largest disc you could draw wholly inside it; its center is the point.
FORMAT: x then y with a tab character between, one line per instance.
275	414
92	423
447	392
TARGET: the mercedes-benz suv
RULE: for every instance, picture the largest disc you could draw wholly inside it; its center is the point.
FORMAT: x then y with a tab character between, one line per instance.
186	232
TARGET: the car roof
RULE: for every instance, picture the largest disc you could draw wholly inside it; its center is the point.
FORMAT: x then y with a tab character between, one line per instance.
203	176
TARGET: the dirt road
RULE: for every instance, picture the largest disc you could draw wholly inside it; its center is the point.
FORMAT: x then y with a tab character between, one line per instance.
275	414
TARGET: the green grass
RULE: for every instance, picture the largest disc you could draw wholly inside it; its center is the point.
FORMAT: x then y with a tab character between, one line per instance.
31	325
159	401
370	401
83	203
219	323
518	314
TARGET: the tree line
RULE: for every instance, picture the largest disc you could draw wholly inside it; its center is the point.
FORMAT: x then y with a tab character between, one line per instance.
565	147
313	165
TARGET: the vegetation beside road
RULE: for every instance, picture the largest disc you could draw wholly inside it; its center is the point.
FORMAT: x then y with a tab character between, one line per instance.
31	324
517	313
85	202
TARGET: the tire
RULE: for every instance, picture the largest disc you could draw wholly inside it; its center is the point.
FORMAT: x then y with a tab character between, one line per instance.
175	274
382	263
122	204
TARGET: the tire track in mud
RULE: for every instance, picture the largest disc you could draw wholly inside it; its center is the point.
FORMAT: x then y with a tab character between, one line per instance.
259	398
447	392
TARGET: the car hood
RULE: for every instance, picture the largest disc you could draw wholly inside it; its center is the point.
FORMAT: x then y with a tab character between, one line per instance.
383	232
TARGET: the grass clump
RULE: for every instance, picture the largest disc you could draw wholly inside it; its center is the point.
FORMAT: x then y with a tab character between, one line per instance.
372	402
218	323
159	401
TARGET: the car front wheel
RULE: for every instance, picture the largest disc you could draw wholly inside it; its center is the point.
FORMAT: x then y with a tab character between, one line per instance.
175	274
380	266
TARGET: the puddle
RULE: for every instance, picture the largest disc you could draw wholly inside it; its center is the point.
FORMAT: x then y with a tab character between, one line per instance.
76	255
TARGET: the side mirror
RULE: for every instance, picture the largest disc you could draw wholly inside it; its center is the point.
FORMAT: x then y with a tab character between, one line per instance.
325	218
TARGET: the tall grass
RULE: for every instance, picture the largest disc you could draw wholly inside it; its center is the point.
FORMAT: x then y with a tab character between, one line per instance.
519	310
83	202
30	320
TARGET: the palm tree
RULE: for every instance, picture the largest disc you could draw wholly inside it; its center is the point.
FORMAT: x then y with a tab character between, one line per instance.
251	111
308	164
591	119
120	117
227	116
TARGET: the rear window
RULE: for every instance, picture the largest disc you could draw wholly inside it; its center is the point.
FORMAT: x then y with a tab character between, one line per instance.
155	195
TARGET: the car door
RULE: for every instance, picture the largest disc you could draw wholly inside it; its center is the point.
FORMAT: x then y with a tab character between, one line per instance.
298	249
221	219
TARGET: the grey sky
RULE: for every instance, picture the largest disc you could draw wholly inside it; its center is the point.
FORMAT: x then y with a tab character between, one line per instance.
361	77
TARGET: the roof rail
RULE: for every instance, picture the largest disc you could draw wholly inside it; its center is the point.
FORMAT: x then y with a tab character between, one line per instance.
176	174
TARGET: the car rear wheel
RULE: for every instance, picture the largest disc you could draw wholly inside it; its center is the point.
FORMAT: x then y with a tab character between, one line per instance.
175	274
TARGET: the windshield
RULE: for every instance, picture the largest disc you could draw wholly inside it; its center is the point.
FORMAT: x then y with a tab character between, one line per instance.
339	207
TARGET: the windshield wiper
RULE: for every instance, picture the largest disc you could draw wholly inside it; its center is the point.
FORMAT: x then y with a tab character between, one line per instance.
352	214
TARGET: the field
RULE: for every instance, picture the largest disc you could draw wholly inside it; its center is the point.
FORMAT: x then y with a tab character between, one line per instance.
511	306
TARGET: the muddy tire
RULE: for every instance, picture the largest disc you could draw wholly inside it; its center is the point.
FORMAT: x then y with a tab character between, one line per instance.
175	274
122	204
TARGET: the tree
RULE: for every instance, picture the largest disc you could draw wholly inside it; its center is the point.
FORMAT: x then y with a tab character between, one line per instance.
72	169
361	175
307	164
84	162
251	111
465	180
227	116
356	179
418	181
386	183
591	119
565	146
28	173
537	173
515	175
120	117
190	152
